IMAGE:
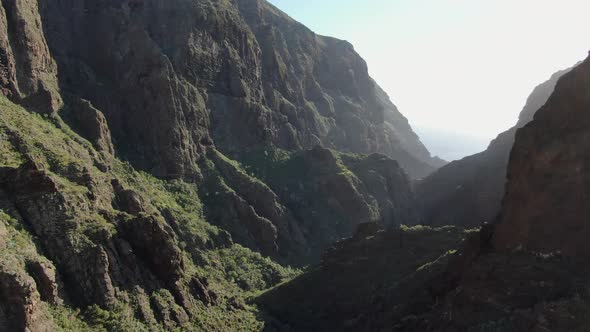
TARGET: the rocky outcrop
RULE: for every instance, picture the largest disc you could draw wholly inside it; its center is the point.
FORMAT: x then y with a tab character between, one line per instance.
525	273
20	303
76	235
91	124
28	73
468	192
544	208
237	77
46	279
326	194
188	92
237	74
385	181
153	241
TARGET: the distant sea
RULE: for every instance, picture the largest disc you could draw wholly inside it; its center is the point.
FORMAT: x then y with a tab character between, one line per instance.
450	145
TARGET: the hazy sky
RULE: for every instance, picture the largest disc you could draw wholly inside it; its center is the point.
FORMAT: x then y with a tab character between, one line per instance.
466	66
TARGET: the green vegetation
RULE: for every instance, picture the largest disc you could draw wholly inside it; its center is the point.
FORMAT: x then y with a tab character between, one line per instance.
233	272
249	270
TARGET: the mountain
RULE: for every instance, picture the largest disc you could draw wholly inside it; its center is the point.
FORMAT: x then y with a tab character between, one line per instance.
186	89
545	209
162	161
468	192
526	272
234	74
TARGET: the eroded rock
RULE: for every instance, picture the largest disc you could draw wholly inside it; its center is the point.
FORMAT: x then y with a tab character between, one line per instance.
545	209
28	73
20	303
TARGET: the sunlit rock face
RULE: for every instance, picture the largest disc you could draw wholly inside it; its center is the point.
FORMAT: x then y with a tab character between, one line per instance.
469	192
546	204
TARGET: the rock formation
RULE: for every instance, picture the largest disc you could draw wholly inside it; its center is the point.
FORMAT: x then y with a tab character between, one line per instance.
528	272
468	192
545	207
158	158
237	74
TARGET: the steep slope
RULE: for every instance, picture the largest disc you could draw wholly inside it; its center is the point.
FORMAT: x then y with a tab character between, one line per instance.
237	74
545	208
469	192
361	280
191	90
80	229
528	272
233	173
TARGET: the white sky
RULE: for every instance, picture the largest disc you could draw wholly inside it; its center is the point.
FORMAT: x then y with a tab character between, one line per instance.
465	66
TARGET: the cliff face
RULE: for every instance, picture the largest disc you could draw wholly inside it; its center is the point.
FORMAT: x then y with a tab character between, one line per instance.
545	206
155	156
183	89
237	74
28	73
528	272
469	192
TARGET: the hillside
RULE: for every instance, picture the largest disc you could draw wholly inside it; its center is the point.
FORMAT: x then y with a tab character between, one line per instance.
162	161
527	272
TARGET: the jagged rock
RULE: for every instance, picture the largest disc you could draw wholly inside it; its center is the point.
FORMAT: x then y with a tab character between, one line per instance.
28	74
20	303
102	231
244	224
469	192
127	200
153	241
168	312
241	74
387	183
50	213
199	288
282	233
91	124
545	209
46	279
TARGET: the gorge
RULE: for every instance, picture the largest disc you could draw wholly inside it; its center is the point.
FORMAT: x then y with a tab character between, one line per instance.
200	165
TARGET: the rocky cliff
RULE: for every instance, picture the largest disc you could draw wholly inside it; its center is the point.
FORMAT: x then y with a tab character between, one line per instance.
528	272
545	206
160	159
184	89
469	192
234	74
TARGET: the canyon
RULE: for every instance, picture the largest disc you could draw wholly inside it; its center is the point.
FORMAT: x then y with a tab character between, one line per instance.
202	165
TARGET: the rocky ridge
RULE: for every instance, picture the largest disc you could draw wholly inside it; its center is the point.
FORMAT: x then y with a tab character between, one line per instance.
527	272
144	146
236	74
469	192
